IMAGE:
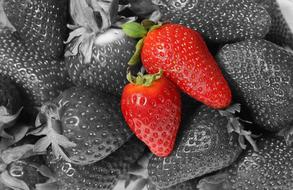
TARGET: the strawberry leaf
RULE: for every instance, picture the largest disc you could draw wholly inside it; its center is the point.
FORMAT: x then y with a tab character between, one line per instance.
7	121
243	134
48	186
53	138
18	132
12	182
235	126
81	41
141	184
42	144
218	181
17	153
134	30
287	133
83	15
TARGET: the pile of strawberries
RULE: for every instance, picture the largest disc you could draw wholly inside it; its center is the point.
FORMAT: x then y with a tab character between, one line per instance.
154	94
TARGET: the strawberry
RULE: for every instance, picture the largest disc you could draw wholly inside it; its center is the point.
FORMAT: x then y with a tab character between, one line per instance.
142	103
102	175
217	21
39	80
204	145
40	23
97	53
81	125
184	58
280	32
10	105
260	74
270	169
138	176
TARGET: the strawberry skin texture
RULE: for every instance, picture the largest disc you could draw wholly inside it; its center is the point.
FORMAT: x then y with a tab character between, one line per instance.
185	59
39	80
218	21
203	146
27	171
186	185
107	68
40	23
260	74
92	121
280	32
9	95
153	114
102	175
268	169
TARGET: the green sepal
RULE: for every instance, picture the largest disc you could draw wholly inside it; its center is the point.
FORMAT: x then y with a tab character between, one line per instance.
134	30
136	56
144	80
154	27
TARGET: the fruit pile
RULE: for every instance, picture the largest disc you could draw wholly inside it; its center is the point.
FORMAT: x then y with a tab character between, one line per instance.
146	94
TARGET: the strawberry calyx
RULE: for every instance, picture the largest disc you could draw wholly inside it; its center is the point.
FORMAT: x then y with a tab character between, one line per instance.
287	134
138	173
7	121
12	182
144	80
52	132
216	182
234	126
93	15
18	132
10	172
91	19
4	22
139	31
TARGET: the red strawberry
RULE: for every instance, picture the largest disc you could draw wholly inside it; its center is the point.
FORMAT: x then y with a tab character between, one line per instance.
151	106
185	59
